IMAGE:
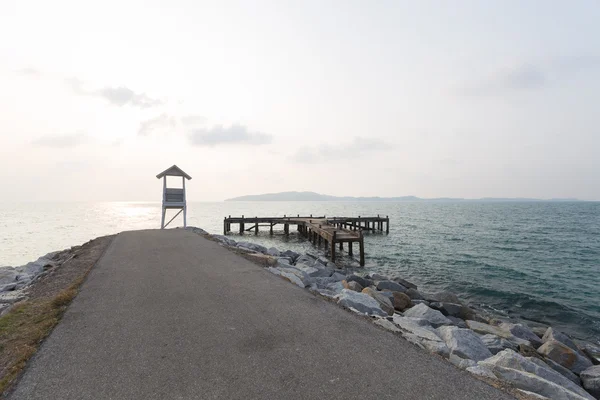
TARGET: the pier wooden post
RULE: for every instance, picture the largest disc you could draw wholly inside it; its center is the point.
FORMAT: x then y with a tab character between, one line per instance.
350	248
361	243
271	230
286	229
341	245
256	228
387	225
224	226
333	246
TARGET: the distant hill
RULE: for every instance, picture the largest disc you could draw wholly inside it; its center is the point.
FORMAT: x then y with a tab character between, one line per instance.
312	196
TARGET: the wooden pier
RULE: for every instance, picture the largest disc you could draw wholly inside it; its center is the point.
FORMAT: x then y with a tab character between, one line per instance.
328	232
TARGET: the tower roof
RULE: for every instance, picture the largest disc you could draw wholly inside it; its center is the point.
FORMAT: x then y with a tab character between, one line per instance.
173	171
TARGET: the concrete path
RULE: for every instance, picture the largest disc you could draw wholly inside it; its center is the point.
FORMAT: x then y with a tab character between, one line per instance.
171	315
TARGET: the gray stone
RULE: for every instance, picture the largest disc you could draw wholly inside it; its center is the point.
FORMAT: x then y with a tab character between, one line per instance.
273	252
484	329
462	363
252	246
354	286
336	287
388	294
411	326
565	356
405	283
481	371
414	294
434	317
361	302
197	230
457	321
285	260
387	324
225	240
307	269
563	371
464	343
416	302
327	293
591	380
291	254
508	360
8	287
306	259
522	332
384	301
322	273
552	334
391	286
496	344
338	277
290	274
363	282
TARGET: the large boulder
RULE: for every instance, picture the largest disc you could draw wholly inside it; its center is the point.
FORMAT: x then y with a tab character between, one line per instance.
553	334
591	380
434	317
485	329
8	275
464	343
361	302
252	246
225	240
453	309
384	301
405	283
496	344
289	275
291	254
378	277
391	286
414	294
522	332
533	375
355	286
272	251
321	272
414	330
401	301
363	282
563	371
565	356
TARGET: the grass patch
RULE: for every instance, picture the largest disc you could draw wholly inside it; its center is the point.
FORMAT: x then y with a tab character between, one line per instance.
24	327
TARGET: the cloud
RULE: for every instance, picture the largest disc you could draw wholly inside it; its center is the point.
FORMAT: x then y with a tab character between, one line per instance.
235	134
519	78
61	141
166	123
163	123
119	96
357	147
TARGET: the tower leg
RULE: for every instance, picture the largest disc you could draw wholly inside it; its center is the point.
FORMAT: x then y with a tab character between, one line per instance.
162	221
184	216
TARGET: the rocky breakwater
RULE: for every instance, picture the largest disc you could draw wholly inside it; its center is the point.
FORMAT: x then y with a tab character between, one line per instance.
543	362
14	281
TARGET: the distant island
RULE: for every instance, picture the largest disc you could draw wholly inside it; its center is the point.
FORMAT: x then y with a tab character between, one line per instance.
312	196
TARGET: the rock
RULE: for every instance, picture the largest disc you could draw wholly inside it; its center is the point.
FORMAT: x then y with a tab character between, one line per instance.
462	363
197	230
290	274
353	286
291	254
522	332
391	286
415	302
464	343
387	324
306	259
453	309
378	277
252	246
401	301
457	321
564	355
321	273
552	334
273	252
338	277
284	260
384	301
482	371
484	329
8	287
361	302
443	297
414	294
533	375
434	317
563	371
326	293
496	344
225	240
529	351
387	294
363	282
413	330
335	287
591	380
404	283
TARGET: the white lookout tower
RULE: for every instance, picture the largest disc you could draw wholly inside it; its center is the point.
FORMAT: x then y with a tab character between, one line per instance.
173	197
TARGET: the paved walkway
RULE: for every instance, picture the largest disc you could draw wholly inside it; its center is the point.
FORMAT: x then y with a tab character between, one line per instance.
171	315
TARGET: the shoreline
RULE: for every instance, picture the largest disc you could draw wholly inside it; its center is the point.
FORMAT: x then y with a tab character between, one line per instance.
440	323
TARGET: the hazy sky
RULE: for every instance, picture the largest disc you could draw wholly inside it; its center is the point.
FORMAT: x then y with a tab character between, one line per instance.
389	98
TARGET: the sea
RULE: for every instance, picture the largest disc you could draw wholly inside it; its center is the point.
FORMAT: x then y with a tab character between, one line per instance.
532	261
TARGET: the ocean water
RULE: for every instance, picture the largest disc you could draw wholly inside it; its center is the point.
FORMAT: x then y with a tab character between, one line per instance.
535	261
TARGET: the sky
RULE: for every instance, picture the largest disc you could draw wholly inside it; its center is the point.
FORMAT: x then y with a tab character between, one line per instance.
352	98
